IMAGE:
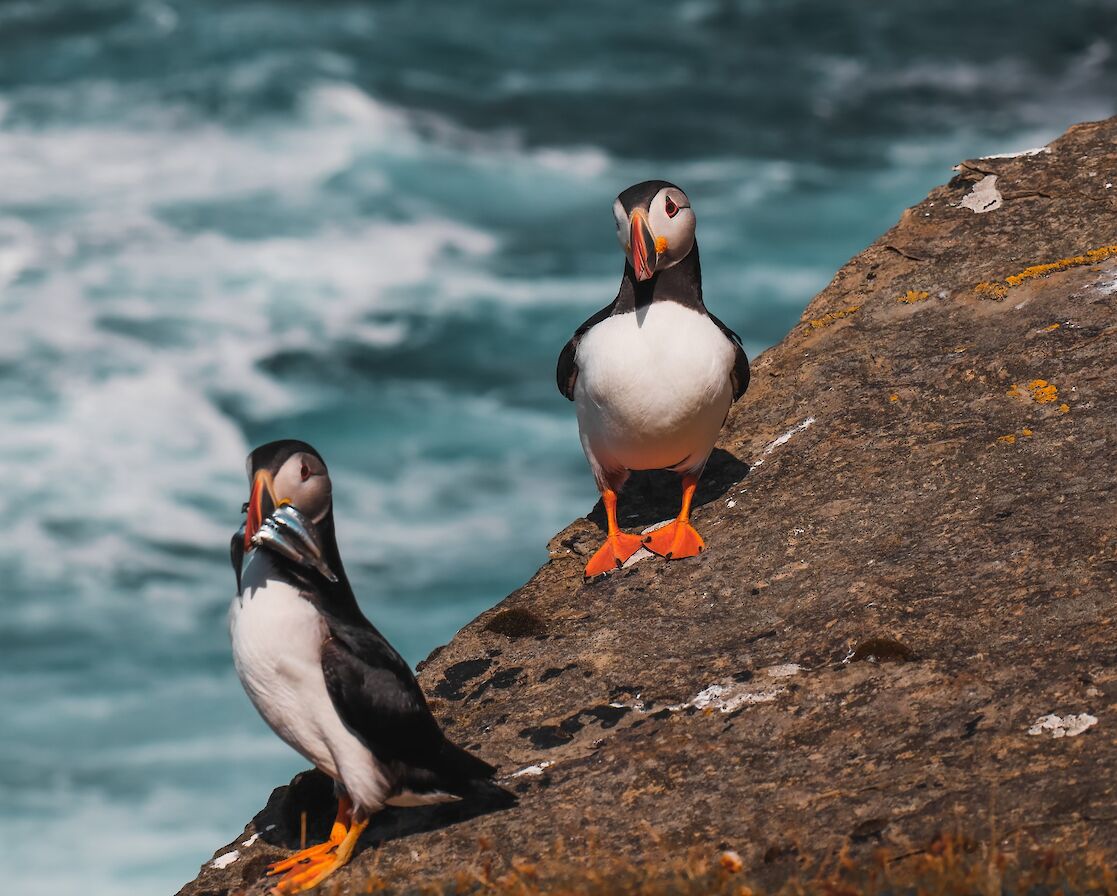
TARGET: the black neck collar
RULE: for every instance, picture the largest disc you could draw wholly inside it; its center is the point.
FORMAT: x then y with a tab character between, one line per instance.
681	283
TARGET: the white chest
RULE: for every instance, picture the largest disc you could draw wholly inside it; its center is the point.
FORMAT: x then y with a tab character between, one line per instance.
277	640
277	650
653	386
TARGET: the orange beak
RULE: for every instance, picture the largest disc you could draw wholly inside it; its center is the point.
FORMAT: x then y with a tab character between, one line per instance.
260	506
642	246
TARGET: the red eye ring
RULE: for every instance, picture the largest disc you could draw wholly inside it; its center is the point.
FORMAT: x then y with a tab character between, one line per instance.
670	207
304	472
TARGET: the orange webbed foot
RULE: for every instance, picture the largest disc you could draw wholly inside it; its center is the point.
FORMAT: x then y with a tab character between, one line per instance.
303	855
617	548
675	541
309	872
314	865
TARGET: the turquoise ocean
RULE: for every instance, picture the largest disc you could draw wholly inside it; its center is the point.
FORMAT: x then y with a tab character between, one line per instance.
373	226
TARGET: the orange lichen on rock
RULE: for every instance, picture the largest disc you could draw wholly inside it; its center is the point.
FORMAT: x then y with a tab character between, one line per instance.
997	291
1010	439
1026	433
1040	391
994	291
1064	408
912	296
827	319
1050	327
893	397
1042	270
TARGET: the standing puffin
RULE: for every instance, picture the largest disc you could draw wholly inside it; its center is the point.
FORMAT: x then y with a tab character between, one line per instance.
324	679
652	375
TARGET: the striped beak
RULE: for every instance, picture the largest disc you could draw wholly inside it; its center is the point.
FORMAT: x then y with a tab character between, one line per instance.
260	506
641	246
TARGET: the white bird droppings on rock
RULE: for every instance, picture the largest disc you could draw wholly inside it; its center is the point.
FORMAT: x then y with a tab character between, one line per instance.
644	553
728	697
984	197
533	771
1063	726
1016	155
225	860
251	840
784	439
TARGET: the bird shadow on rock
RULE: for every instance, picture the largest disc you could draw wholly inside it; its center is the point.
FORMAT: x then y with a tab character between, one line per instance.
651	496
280	822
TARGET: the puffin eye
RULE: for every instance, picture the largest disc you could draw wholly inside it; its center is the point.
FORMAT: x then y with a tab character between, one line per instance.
670	207
304	472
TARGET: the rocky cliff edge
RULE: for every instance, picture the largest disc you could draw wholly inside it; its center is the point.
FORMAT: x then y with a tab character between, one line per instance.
905	620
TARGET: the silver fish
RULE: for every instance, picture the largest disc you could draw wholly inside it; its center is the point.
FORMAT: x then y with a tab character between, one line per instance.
288	542
290	518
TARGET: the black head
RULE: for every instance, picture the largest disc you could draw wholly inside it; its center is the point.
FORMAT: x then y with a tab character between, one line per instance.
286	472
655	226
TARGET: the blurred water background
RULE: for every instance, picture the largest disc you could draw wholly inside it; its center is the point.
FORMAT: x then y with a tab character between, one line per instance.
373	226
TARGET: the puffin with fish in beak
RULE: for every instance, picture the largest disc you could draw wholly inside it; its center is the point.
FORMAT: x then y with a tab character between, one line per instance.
654	374
321	675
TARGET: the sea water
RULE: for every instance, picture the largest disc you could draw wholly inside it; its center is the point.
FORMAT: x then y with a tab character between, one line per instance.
373	226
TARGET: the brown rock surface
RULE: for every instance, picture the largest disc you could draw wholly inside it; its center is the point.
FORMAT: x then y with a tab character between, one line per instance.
912	558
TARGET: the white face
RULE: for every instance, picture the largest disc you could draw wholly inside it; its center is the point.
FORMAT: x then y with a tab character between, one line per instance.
670	221
304	482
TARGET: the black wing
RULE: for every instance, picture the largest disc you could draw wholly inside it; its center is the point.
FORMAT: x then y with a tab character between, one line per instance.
740	373
236	554
377	697
567	373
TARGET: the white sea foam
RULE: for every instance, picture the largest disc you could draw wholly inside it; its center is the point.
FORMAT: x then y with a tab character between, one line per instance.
125	430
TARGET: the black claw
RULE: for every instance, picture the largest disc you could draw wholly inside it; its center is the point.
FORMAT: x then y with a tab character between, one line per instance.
667	556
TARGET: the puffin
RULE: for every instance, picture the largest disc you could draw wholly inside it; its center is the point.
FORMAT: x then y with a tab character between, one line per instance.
321	675
653	374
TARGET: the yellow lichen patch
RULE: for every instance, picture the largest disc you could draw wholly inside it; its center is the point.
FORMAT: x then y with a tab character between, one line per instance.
1010	439
998	291
1064	408
1026	433
912	296
893	397
1050	328
827	319
987	290
1042	391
